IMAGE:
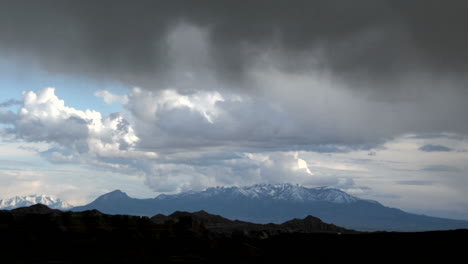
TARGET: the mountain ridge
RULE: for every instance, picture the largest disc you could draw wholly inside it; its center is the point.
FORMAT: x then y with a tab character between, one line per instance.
219	224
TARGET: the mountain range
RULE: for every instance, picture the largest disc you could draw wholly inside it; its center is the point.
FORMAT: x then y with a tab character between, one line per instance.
22	201
265	203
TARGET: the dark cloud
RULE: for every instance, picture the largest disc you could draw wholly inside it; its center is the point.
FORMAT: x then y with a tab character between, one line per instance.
362	40
68	131
10	102
435	148
7	117
347	72
438	135
441	168
414	182
332	148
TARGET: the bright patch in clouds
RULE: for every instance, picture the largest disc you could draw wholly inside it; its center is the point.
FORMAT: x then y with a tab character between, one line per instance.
302	164
158	103
110	98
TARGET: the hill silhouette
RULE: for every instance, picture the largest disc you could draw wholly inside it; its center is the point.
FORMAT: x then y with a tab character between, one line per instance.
38	234
219	224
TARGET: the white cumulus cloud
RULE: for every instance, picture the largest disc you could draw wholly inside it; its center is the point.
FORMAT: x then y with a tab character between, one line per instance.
75	135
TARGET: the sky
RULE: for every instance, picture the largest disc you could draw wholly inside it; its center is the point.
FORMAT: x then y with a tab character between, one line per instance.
158	97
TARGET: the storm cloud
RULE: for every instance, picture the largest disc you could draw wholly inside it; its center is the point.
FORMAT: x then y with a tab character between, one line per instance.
349	72
366	39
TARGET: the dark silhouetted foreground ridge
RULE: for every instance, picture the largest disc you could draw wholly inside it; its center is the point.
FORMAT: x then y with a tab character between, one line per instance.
38	234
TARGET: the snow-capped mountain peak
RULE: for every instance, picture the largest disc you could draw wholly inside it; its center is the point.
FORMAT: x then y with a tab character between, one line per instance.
22	201
287	192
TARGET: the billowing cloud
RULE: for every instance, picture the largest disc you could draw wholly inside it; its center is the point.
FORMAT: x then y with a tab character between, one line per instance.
194	139
169	119
176	141
74	134
244	169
